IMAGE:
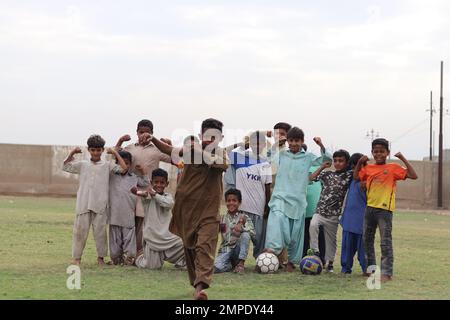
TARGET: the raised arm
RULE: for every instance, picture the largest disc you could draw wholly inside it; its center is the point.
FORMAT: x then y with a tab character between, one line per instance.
120	160
121	140
162	146
325	156
316	173
411	174
70	157
361	163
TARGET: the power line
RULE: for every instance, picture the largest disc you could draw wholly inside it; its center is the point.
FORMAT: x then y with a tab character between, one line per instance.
416	126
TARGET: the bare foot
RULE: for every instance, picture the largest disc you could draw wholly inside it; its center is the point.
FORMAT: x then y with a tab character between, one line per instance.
290	267
101	262
200	295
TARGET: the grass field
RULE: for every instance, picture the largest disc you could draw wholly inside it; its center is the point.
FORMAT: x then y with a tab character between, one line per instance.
36	235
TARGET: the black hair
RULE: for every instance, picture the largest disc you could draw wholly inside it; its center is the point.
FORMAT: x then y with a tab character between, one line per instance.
380	142
160	173
342	153
235	192
305	147
96	141
296	133
126	155
145	123
355	158
283	125
211	123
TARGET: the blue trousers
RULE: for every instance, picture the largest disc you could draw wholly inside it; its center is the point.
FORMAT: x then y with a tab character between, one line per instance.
352	243
228	259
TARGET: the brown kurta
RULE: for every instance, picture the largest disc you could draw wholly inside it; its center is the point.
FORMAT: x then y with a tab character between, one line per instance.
196	218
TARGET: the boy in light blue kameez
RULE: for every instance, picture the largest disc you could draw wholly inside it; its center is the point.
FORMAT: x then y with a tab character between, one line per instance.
286	224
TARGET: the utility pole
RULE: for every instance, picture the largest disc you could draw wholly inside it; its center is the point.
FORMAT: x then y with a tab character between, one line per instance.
372	135
431	124
441	139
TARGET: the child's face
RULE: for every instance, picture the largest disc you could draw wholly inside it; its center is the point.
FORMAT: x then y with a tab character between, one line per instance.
380	154
280	134
211	137
233	203
96	154
141	133
340	163
295	145
159	184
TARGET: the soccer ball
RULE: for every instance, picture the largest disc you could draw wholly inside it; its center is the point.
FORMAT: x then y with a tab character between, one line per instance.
267	263
311	265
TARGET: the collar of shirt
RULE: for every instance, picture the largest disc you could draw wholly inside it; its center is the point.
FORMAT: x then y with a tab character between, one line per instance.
144	147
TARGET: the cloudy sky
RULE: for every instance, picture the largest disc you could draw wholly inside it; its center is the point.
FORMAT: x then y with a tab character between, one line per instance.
334	68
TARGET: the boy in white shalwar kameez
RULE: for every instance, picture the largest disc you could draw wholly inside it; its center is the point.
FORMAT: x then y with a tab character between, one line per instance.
159	243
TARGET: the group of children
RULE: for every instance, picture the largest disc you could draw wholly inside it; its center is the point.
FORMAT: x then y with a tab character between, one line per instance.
281	198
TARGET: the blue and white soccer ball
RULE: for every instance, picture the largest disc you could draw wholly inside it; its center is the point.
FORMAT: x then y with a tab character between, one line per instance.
311	265
267	263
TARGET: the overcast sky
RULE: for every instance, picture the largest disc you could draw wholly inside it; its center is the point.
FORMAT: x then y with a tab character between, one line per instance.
334	68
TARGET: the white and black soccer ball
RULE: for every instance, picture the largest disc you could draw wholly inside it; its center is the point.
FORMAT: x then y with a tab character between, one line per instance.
267	263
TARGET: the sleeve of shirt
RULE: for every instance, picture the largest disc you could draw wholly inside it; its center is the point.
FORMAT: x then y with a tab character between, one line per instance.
275	161
400	173
164	200
266	173
114	168
324	156
165	158
322	176
363	174
73	166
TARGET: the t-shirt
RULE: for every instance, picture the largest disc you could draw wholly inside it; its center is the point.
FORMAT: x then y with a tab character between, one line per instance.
334	187
381	184
355	207
252	175
312	194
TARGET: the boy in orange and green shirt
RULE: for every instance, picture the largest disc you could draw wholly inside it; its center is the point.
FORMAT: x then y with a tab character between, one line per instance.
380	180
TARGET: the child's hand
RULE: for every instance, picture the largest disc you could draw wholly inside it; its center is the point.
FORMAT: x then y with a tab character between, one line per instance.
145	138
151	192
134	190
363	160
77	150
318	141
326	165
238	228
125	138
399	155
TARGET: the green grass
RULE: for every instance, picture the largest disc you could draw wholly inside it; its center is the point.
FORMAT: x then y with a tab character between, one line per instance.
36	235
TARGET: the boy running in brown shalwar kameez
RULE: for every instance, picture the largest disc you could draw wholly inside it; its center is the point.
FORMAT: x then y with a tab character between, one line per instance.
196	215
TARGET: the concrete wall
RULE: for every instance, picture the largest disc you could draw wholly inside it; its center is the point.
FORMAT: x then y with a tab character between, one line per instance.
36	170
